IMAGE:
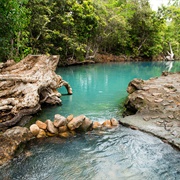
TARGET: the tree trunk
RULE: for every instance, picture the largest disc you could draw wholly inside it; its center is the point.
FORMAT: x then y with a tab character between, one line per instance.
170	56
24	86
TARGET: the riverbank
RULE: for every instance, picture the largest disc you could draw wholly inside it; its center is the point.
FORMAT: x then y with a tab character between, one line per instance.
156	105
104	58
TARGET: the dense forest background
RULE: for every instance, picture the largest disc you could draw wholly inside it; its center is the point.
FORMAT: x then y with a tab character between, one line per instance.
78	29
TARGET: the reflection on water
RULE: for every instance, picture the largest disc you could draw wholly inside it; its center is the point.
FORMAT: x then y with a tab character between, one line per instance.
99	89
119	154
169	65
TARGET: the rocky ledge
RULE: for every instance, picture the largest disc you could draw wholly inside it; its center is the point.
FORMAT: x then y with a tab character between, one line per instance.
155	104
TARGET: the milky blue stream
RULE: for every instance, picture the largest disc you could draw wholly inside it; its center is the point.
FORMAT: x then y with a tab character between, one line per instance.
98	92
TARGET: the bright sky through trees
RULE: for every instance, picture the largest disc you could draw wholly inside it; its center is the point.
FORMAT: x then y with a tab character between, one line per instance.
157	3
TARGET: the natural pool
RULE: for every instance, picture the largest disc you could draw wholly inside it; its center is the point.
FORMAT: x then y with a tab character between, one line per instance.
98	92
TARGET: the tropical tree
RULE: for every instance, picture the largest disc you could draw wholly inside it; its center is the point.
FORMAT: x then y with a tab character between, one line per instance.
13	37
171	15
62	27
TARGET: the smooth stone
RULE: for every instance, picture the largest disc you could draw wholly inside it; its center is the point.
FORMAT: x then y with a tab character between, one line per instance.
96	125
107	124
114	122
41	124
42	134
50	127
50	134
63	129
86	125
59	120
70	117
34	129
76	122
65	134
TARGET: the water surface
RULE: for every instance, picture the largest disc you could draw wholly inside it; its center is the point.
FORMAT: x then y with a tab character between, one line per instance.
98	91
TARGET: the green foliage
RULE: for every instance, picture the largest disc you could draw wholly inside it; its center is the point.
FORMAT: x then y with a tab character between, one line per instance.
77	29
13	20
62	27
171	31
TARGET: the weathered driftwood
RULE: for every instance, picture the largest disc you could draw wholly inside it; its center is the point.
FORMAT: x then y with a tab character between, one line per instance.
24	86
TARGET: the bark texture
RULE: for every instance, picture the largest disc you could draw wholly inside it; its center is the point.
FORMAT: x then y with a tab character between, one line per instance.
24	86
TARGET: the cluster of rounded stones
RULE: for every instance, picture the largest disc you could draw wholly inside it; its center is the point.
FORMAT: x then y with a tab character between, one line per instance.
68	126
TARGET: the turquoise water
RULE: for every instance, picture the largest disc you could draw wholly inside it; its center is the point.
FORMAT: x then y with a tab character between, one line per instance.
100	89
117	154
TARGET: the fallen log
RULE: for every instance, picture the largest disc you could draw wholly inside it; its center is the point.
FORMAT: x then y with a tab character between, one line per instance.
24	86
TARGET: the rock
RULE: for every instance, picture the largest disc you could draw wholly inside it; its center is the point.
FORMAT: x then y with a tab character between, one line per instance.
65	134
134	85
41	124
76	122
34	129
114	122
158	100
160	103
107	124
156	94
86	125
134	127
50	127
10	141
50	134
59	120
63	129
96	125
69	118
19	133
42	134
